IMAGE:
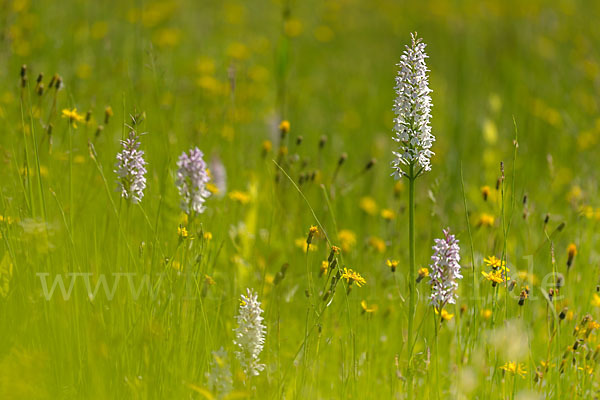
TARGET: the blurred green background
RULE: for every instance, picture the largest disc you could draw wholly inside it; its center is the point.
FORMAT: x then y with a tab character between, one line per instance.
222	75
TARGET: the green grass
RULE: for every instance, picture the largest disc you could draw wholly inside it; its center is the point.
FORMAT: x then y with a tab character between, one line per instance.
222	76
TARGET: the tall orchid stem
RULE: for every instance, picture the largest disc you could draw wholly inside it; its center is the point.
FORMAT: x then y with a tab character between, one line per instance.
411	271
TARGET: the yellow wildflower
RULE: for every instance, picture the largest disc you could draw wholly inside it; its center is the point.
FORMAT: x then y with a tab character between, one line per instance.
366	309
596	300
393	264
494	277
486	220
422	273
284	127
301	243
388	214
73	116
368	205
182	232
211	187
377	244
485	192
486	314
446	316
515	368
571	253
347	239
353	276
240	197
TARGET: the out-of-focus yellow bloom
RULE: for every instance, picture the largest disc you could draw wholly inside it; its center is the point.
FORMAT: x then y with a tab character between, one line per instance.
377	244
211	187
515	368
267	146
368	205
207	236
485	192
240	197
347	239
490	132
301	243
596	300
575	193
284	126
486	220
446	316
182	232
368	309
167	37
486	314
393	264
238	51
388	214
98	30
293	27
209	281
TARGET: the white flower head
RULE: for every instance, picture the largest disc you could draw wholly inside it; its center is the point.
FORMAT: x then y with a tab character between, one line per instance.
220	380
192	177
445	270
250	334
131	169
413	111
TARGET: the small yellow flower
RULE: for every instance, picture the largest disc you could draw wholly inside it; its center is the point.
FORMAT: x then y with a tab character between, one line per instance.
486	220
211	187
368	309
571	253
313	230
388	214
494	262
73	116
494	276
596	300
108	112
182	232
353	276
267	146
301	243
209	281
284	127
515	368
446	316
207	236
422	273
486	314
324	267
398	188
377	244
240	197
485	192
393	264
347	239
368	205
176	265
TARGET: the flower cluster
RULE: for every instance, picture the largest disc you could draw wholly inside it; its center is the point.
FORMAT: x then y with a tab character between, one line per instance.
220	380
445	270
131	169
413	110
250	334
192	178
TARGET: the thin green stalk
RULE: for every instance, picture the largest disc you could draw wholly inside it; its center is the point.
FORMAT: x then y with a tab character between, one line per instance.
411	271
